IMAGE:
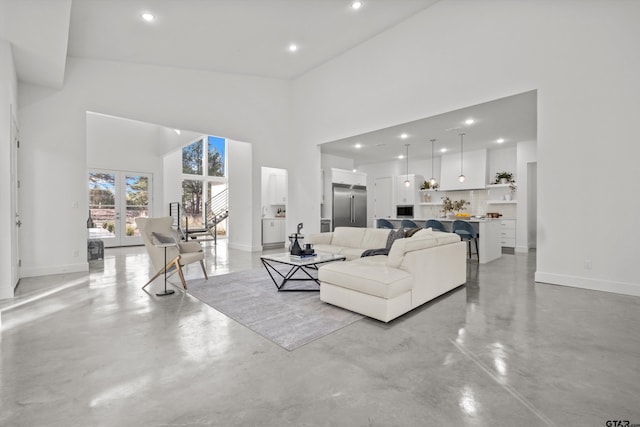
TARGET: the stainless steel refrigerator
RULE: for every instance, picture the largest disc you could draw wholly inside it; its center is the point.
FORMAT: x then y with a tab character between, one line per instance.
349	206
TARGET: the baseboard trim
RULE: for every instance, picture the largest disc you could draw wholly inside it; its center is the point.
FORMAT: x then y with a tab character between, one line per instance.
588	283
521	249
55	269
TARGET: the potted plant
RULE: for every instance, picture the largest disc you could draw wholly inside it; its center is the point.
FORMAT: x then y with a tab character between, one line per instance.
448	205
504	177
425	185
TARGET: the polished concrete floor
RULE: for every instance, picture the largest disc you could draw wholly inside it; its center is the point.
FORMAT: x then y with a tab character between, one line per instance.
500	351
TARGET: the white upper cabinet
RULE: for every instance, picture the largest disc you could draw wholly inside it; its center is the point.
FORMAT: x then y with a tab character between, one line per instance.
277	189
408	195
474	169
341	176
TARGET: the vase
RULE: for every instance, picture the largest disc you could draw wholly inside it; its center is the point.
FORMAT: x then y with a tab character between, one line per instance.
503	181
507	196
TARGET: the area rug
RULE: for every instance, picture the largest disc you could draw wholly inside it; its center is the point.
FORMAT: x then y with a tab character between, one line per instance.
289	319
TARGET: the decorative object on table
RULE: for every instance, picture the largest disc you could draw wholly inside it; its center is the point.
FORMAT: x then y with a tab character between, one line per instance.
448	205
504	177
295	248
425	185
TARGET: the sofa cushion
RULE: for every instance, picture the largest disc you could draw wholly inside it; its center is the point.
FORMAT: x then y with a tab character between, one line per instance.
402	246
331	249
375	238
393	236
348	237
377	280
351	253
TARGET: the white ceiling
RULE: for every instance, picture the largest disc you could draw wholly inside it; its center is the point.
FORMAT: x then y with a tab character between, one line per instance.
248	37
513	118
38	31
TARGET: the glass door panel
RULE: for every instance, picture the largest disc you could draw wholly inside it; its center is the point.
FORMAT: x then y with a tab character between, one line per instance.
116	199
136	204
102	207
192	203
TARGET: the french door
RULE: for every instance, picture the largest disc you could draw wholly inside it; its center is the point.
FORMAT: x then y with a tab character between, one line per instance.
116	199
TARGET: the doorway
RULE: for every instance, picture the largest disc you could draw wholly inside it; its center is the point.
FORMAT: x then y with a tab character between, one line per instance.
16	261
116	199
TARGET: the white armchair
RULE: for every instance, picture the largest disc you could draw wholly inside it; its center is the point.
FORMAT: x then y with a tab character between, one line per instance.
178	256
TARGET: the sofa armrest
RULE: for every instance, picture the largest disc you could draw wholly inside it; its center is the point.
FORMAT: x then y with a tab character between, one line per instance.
374	252
319	238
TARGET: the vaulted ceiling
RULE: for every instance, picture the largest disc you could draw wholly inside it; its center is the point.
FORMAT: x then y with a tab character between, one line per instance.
249	37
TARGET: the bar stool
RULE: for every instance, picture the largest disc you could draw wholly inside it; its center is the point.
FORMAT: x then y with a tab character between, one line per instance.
407	223
435	225
466	232
383	223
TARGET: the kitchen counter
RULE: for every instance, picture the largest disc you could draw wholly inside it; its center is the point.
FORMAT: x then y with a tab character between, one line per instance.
488	229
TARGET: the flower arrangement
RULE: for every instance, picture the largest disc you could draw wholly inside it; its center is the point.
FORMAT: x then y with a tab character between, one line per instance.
449	205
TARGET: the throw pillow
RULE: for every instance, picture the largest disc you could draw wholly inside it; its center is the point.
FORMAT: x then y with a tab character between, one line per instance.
393	236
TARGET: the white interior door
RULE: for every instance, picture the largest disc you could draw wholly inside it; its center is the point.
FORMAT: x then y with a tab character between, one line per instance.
16	261
382	198
116	198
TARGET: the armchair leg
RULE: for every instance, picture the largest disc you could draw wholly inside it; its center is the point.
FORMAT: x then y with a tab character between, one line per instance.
179	268
204	270
166	268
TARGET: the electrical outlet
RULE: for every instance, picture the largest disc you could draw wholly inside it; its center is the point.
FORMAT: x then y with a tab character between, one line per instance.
588	264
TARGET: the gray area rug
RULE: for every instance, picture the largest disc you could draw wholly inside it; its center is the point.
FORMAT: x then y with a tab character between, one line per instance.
289	319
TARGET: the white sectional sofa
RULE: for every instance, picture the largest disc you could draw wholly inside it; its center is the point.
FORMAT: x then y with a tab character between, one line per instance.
349	241
417	269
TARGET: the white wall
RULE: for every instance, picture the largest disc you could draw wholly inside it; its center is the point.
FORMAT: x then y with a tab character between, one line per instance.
53	131
460	53
8	94
127	145
526	153
244	234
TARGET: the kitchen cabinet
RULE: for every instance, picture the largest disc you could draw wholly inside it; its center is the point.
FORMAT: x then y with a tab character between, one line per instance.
508	233
277	189
273	232
474	169
342	176
408	195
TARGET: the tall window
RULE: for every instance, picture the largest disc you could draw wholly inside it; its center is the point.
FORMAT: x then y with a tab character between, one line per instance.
204	169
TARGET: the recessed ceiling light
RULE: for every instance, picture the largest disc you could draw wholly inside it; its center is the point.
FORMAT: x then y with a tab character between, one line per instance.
358	145
500	140
443	150
401	156
469	122
404	136
148	16
293	47
177	131
355	170
356	5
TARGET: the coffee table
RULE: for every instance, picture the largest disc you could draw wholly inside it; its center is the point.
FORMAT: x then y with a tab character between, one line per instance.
295	264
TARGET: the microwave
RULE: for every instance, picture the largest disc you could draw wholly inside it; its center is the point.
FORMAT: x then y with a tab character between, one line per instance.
404	211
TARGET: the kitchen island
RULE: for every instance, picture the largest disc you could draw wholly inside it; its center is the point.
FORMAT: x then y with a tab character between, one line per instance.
488	231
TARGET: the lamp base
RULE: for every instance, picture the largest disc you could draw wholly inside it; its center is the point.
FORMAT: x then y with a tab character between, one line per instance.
165	292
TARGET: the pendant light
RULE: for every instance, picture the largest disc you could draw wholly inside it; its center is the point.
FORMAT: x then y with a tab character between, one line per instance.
432	181
461	178
407	183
